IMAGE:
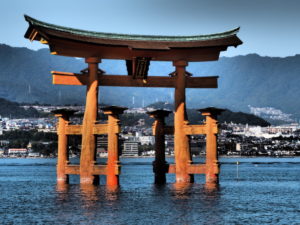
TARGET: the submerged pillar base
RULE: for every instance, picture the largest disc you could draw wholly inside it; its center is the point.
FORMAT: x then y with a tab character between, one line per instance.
112	177
94	179
160	169
212	173
63	179
113	130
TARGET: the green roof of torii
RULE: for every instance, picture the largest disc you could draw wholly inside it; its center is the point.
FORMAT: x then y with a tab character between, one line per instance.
80	43
132	37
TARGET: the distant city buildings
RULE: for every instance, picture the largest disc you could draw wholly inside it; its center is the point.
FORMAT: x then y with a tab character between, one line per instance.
266	132
137	140
130	148
17	152
270	113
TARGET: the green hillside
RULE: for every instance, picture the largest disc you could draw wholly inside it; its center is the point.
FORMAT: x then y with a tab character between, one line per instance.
244	80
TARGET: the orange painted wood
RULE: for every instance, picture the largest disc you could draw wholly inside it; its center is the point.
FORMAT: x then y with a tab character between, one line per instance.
72	169
113	130
74	129
194	129
100	129
191	169
77	129
96	169
212	165
88	153
181	140
197	169
99	170
69	78
112	178
62	151
172	168
64	78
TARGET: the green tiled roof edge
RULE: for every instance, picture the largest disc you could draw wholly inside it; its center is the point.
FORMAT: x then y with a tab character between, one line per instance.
131	37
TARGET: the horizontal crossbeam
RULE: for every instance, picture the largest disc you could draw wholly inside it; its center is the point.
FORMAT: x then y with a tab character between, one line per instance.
74	129
72	169
192	169
97	169
65	78
77	129
194	129
100	129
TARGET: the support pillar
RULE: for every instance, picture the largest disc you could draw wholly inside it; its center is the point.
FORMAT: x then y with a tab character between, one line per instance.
181	140
63	116
112	169
160	166
88	153
212	163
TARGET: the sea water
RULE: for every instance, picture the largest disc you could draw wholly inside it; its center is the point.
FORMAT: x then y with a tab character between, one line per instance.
254	191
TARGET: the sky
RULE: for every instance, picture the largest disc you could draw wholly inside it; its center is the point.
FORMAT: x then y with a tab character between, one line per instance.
268	27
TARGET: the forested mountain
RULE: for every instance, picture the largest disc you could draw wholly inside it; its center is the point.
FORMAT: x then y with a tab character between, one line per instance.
244	80
227	116
14	110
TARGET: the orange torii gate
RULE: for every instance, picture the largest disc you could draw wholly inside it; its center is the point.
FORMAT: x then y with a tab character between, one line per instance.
138	51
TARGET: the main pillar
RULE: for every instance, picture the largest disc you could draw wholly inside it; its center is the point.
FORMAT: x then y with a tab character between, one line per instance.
160	166
112	169
181	140
62	152
88	153
212	163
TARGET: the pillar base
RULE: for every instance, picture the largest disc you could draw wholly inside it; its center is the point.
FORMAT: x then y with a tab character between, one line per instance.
160	169
160	179
212	178
62	179
89	179
212	174
62	187
184	179
112	189
112	175
211	186
112	180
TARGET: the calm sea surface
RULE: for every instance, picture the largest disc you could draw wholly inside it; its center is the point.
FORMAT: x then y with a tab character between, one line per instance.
259	191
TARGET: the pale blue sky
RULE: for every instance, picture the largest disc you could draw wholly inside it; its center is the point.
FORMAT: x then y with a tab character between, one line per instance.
268	27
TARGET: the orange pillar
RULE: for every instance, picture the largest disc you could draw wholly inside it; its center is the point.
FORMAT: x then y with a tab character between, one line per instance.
112	169
181	140
212	163
88	153
160	166
62	151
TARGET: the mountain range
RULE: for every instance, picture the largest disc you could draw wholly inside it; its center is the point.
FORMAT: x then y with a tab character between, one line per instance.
245	82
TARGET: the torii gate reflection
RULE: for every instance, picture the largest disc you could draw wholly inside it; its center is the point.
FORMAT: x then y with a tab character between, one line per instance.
138	51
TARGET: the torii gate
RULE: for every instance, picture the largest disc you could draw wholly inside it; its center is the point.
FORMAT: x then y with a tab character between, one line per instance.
138	51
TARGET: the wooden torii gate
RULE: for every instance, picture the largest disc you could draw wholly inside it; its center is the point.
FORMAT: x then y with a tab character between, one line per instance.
138	51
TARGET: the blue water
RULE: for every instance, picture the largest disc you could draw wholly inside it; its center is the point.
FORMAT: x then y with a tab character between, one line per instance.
257	191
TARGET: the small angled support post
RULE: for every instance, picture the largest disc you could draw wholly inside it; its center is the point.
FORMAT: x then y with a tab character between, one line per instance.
63	116
211	127
113	167
160	166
